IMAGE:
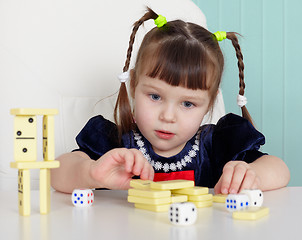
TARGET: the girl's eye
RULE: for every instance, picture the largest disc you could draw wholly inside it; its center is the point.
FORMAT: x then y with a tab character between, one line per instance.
155	97
187	104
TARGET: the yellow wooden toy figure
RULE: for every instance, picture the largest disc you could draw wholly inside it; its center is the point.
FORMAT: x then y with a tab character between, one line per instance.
25	154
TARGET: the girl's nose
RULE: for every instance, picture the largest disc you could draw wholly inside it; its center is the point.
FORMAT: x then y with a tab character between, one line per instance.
168	113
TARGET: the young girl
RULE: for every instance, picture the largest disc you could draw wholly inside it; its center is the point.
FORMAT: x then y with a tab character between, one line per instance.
173	85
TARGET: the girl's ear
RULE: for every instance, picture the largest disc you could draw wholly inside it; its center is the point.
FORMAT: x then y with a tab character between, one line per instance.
132	83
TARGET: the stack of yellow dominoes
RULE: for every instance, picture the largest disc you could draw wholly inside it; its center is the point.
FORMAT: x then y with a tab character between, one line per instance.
157	196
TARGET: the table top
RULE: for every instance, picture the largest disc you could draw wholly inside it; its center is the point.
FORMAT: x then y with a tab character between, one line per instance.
112	217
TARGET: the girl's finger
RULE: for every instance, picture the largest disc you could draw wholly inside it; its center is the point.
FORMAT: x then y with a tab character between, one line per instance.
238	176
217	188
248	180
226	177
147	172
139	162
128	159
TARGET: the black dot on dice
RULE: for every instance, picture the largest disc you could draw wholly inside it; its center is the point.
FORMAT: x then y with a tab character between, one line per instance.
30	120
255	203
24	150
177	220
187	219
176	209
19	133
193	209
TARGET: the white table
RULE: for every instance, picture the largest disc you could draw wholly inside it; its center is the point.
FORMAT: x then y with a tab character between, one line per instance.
112	217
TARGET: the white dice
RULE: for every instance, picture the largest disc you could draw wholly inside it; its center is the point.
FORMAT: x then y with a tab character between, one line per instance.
82	197
184	213
235	202
255	196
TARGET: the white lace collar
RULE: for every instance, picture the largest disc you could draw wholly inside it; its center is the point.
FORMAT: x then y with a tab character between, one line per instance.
166	167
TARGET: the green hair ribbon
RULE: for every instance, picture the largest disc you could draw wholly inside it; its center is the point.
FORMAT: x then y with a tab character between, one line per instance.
160	21
220	35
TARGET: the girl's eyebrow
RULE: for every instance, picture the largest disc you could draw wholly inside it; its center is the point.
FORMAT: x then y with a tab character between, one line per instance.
194	98
147	85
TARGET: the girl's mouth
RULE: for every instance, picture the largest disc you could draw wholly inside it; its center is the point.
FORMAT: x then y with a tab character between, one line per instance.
164	134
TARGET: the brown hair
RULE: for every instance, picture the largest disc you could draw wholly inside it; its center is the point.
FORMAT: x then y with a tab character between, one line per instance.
179	53
232	36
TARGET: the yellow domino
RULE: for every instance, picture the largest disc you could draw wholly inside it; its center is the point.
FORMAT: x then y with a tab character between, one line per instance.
172	184
176	198
219	198
154	208
140	184
148	193
200	198
44	191
203	204
192	191
251	213
24	192
151	201
48	138
35	165
33	111
25	138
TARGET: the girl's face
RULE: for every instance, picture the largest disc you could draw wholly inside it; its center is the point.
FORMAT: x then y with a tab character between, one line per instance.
168	116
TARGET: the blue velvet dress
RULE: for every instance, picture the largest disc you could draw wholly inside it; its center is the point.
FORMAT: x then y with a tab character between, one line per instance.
202	159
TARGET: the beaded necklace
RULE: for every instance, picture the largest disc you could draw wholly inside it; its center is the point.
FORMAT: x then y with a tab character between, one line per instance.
166	167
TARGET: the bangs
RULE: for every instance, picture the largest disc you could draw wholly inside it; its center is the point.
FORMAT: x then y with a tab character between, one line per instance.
179	63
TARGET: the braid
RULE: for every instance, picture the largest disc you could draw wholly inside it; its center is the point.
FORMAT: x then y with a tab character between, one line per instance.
122	111
232	36
150	14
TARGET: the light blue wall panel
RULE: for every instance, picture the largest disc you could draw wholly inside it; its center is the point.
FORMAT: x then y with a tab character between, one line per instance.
271	45
251	30
293	89
273	77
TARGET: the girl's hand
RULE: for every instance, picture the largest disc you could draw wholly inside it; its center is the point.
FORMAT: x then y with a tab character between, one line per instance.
236	176
115	169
